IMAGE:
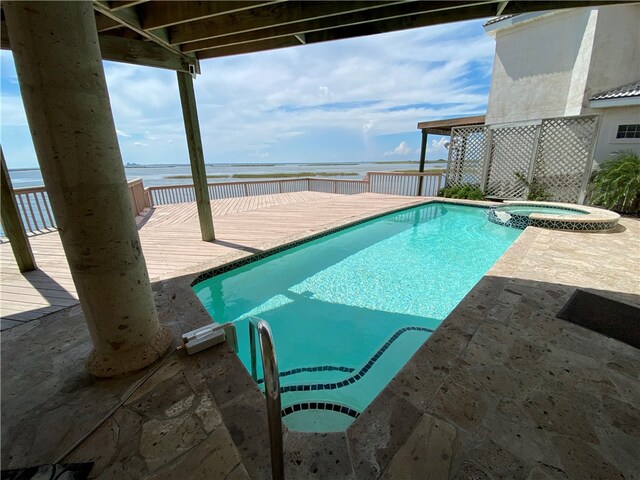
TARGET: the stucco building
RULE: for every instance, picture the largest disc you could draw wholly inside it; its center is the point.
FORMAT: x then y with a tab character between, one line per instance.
570	62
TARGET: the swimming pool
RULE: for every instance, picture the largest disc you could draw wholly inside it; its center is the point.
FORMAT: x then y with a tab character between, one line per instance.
349	309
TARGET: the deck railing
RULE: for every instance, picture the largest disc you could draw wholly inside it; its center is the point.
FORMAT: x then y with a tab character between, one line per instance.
166	194
405	183
37	214
138	195
35	209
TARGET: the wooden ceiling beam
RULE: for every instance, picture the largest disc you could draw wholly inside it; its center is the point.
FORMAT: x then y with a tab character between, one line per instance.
371	28
298	28
129	18
158	14
140	52
118	49
119	5
104	24
259	46
269	16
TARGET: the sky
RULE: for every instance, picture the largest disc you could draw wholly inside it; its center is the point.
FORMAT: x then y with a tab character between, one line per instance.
355	100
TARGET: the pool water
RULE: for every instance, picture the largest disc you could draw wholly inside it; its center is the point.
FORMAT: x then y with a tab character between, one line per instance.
529	209
348	310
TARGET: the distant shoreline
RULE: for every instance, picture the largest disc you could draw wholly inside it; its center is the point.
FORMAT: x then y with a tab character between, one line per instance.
272	175
323	164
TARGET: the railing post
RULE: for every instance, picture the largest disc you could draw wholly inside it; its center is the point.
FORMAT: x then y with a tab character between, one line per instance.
12	223
423	155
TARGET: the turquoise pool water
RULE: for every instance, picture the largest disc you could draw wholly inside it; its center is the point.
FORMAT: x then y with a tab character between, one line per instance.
529	209
348	310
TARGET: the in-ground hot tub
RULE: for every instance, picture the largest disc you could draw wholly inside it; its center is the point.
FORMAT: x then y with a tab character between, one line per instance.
560	216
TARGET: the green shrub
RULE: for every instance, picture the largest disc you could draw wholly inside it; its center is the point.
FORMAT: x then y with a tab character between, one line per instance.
616	185
469	192
537	191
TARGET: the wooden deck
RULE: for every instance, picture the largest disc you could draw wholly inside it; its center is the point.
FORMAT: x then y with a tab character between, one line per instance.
171	242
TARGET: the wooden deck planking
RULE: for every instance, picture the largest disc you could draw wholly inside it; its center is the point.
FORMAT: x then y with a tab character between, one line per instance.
171	242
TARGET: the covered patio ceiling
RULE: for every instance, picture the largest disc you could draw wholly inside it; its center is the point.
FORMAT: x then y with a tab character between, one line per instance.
177	34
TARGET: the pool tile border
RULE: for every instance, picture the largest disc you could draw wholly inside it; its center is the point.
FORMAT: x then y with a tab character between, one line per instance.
361	373
335	407
322	368
523	221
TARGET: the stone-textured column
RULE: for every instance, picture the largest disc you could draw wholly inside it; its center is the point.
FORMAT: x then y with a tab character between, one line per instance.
57	56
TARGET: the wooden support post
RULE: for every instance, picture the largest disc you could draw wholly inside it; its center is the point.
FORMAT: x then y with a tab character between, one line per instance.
423	156
196	155
12	223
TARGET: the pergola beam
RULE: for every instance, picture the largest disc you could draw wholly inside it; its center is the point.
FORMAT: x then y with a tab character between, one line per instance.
12	223
268	16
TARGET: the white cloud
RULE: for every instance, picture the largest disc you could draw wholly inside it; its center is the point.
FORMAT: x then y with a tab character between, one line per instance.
121	133
402	149
140	144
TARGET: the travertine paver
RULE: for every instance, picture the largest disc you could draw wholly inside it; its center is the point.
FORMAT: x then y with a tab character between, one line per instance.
502	390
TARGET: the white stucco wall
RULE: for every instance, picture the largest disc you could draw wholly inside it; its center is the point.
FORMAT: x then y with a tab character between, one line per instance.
616	53
550	65
533	67
607	142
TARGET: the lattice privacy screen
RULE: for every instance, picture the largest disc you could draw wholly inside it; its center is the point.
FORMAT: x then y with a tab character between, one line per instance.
466	156
557	153
564	156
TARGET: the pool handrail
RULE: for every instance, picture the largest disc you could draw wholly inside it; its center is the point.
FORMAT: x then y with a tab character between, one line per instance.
271	390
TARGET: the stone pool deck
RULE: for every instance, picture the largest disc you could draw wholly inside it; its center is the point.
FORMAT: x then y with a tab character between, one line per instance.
503	389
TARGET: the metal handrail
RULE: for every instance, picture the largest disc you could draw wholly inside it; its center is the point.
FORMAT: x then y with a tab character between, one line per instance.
271	390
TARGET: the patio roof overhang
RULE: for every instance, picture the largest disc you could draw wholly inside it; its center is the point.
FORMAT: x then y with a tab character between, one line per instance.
443	127
178	34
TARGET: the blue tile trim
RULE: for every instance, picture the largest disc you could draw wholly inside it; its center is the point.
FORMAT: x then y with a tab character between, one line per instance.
322	368
296	407
361	373
267	253
523	221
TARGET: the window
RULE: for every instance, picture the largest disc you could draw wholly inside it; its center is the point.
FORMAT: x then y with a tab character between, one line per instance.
628	131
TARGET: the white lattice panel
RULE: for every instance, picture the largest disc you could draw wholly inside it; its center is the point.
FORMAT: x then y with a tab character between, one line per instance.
466	155
511	153
564	155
